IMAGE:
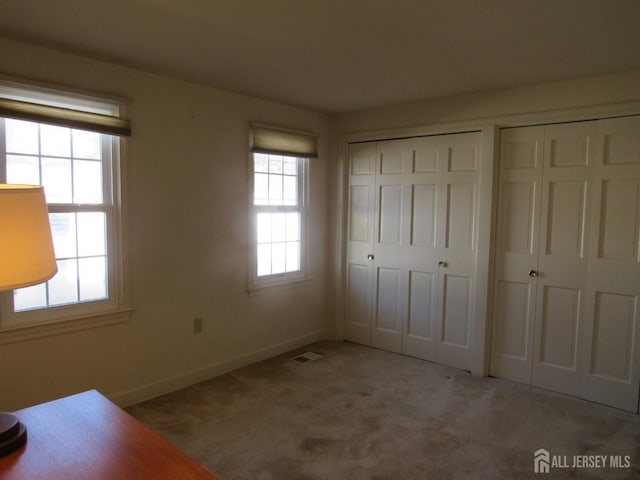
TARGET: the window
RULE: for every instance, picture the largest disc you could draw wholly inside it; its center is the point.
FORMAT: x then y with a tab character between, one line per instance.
279	171
279	213
61	141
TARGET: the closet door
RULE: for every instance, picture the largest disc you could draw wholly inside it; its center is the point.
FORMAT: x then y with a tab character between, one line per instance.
405	248
612	326
567	267
518	229
456	237
412	246
562	260
424	219
360	234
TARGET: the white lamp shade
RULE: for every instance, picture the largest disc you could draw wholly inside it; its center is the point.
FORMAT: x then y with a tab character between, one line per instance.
26	248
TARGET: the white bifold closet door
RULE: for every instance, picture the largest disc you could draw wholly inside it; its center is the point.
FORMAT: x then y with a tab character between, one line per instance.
411	245
567	265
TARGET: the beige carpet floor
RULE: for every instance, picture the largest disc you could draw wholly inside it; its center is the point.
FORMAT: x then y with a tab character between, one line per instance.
361	413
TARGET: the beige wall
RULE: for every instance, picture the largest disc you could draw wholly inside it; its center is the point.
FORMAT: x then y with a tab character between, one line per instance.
187	245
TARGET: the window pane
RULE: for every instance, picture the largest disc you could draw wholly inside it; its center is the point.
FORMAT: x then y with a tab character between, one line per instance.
30	298
22	137
55	141
275	164
293	226
290	191
91	234
63	287
261	189
290	166
279	227
21	169
293	256
278	258
275	190
264	260
264	228
63	230
56	178
86	144
87	182
261	162
92	274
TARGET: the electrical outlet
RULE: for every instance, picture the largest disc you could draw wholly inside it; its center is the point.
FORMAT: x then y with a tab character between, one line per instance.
197	325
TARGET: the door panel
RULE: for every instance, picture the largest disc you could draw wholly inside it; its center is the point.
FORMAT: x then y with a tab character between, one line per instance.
386	334
512	320
518	227
423	215
358	327
612	345
419	321
360	235
457	253
559	335
455	323
390	214
620	220
569	151
612	326
516	236
461	201
566	207
359	213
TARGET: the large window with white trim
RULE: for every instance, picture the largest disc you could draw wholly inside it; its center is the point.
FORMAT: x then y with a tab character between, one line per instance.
77	162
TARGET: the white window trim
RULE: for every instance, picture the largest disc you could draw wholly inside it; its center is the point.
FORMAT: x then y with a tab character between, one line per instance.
269	283
19	326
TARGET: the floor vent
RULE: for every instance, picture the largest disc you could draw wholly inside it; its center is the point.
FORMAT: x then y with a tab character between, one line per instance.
307	357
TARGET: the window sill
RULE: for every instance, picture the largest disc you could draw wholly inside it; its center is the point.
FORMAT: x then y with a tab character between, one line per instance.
277	286
14	334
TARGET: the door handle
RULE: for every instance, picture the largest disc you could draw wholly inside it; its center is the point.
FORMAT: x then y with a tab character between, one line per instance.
370	256
533	273
443	264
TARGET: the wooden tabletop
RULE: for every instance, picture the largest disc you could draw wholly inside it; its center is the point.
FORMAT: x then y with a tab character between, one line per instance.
86	437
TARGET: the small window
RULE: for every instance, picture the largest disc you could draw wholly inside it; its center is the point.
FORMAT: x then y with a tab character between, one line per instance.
279	180
79	169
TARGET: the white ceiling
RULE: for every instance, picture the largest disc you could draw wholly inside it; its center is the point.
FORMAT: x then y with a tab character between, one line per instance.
342	55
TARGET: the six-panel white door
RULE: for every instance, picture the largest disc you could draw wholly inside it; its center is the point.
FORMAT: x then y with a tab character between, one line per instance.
612	326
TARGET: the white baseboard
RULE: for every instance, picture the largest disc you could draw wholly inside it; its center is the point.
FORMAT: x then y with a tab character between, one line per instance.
176	382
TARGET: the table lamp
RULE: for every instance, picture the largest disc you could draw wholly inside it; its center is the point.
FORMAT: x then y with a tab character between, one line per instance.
26	258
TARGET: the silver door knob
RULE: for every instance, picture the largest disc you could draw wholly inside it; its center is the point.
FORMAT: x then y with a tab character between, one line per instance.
443	264
370	256
533	273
